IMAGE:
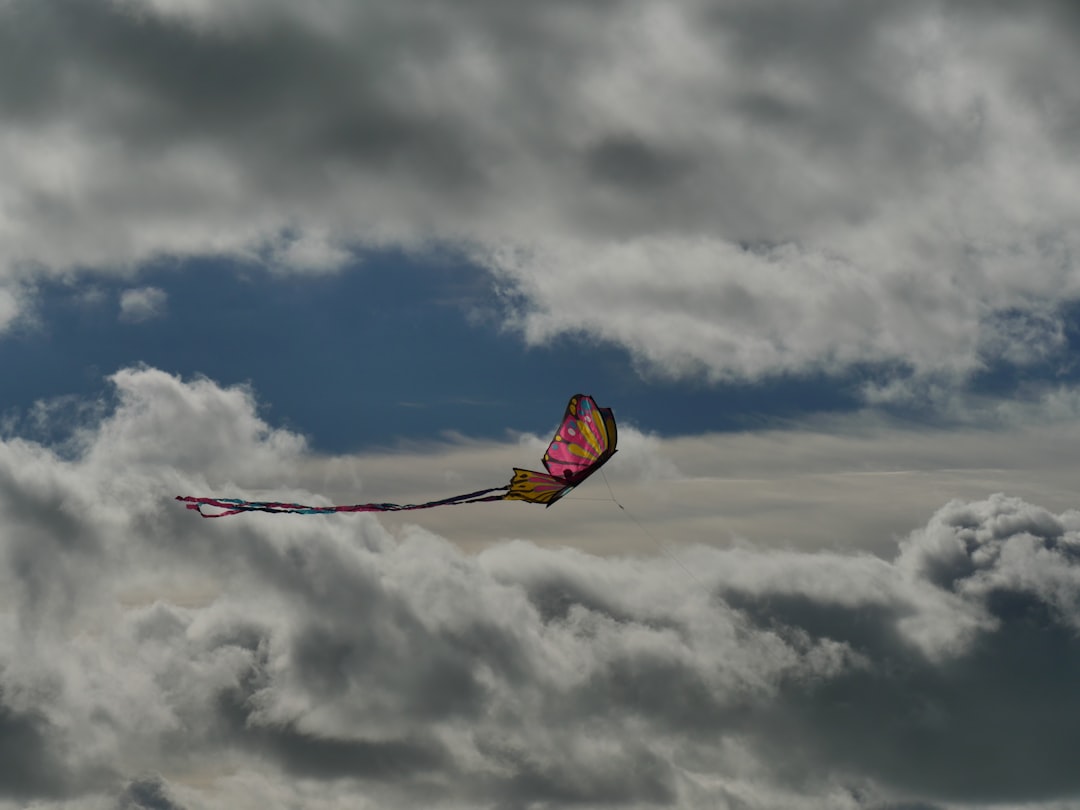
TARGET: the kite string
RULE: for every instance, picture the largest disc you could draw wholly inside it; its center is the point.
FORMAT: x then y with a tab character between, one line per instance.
659	544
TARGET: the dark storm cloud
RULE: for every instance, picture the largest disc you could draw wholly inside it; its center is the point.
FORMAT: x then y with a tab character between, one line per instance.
627	161
148	793
946	728
317	756
271	90
29	765
843	53
904	161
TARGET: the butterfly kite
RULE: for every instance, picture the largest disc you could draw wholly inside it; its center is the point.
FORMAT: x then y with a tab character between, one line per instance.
582	445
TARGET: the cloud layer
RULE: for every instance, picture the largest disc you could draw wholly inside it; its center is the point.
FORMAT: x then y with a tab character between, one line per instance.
152	659
733	189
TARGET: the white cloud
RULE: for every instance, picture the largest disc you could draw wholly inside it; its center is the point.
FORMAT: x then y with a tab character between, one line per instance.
142	304
9	309
310	251
267	659
732	190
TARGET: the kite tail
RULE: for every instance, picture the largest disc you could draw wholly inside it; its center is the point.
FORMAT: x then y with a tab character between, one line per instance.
234	506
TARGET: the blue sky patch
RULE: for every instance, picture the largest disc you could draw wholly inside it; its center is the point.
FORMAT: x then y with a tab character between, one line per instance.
393	348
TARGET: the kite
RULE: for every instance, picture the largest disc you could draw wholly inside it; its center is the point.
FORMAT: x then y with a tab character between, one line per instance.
583	443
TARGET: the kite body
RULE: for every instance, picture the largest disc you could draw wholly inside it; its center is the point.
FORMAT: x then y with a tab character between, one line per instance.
583	443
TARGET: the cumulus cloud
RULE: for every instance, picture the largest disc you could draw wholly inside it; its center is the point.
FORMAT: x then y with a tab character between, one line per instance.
731	189
142	304
152	659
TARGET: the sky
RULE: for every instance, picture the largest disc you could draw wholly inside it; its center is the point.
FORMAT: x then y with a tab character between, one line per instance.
819	258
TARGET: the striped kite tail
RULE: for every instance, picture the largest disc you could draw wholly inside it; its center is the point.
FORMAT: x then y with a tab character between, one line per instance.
234	506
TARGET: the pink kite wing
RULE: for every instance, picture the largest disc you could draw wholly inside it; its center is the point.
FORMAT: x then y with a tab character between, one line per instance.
584	442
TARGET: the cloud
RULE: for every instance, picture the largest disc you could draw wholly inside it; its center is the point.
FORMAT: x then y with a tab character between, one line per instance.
147	794
30	767
9	309
734	191
152	659
142	304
